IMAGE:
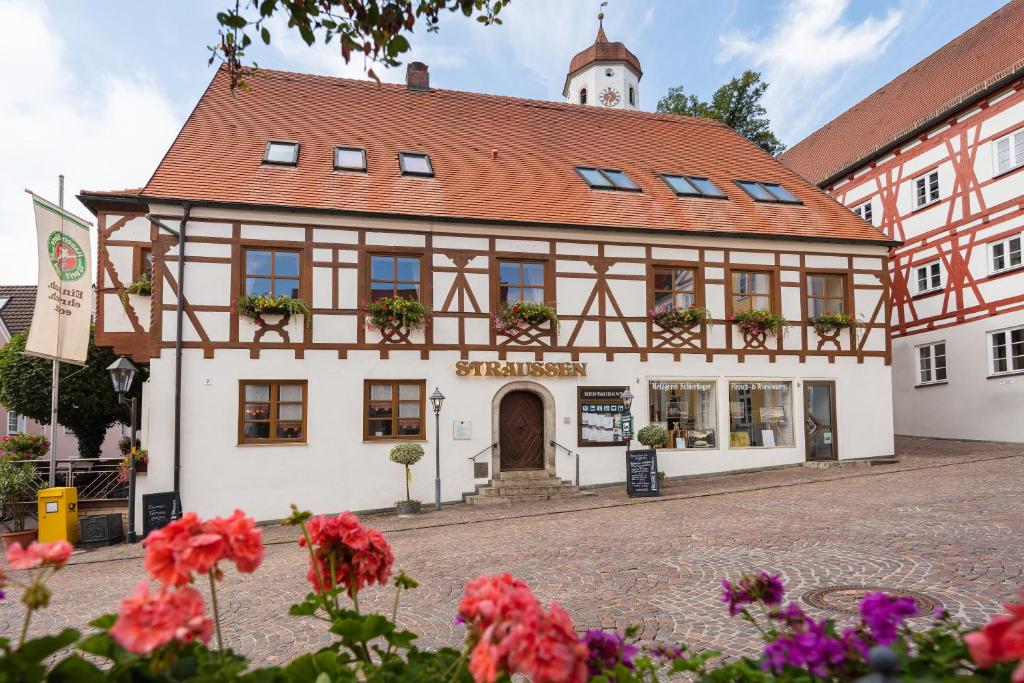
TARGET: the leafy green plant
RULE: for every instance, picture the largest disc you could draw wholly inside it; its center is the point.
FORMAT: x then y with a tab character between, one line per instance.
391	313
521	315
827	322
143	285
124	467
653	436
254	307
675	318
759	321
24	446
18	486
407	454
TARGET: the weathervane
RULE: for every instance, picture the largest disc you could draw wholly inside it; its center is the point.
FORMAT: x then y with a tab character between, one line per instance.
600	14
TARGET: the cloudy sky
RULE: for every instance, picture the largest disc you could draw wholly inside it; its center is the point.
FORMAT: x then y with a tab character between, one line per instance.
97	90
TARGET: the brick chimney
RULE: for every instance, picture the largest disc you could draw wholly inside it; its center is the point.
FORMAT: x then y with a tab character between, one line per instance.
417	77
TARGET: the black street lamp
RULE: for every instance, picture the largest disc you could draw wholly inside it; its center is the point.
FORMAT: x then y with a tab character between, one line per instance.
436	399
122	374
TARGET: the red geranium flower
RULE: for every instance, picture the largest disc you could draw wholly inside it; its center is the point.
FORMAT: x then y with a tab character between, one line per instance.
148	621
1001	640
360	556
180	548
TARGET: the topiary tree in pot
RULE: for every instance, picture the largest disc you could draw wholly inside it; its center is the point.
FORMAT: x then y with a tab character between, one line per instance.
407	454
653	436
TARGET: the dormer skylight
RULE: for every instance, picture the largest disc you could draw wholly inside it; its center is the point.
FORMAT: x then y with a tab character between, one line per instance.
768	192
415	164
607	179
281	153
349	159
692	186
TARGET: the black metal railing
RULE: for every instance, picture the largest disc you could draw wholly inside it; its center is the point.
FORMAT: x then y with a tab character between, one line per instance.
477	466
572	454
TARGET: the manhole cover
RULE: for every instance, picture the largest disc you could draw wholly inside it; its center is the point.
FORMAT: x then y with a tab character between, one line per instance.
847	599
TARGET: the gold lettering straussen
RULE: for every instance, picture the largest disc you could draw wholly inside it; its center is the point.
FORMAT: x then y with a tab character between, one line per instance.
492	368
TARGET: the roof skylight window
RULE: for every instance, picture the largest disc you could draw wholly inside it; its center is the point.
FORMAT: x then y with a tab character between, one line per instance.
415	164
349	159
768	192
281	152
692	186
607	179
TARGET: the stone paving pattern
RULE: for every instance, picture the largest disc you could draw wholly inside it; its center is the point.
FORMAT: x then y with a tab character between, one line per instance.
947	520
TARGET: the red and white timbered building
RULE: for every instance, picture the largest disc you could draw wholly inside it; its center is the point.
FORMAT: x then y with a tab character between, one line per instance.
935	159
338	192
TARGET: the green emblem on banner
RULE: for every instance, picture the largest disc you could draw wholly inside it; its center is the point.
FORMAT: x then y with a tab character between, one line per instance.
66	256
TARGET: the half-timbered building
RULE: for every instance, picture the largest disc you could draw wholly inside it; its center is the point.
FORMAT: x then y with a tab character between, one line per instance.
935	159
339	192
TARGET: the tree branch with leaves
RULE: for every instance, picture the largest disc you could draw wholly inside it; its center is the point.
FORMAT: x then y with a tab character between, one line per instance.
375	28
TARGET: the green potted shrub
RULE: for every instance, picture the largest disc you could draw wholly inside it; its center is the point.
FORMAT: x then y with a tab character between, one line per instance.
24	446
759	322
511	320
407	454
829	322
256	307
653	436
18	488
390	313
142	285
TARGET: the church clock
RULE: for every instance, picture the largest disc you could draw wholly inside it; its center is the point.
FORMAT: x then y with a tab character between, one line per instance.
610	97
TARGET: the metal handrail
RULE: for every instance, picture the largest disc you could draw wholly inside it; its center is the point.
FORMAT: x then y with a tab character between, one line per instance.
95	478
482	451
571	453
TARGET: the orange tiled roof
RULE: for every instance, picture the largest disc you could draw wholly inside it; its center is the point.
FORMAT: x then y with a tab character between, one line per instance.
603	51
495	159
941	83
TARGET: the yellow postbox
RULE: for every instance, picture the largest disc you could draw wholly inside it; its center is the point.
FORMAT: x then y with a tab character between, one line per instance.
58	514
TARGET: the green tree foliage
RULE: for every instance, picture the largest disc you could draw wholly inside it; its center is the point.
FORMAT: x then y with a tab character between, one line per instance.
737	104
87	404
374	28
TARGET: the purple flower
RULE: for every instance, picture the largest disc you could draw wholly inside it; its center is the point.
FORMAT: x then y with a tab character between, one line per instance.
808	646
459	620
607	650
883	615
764	587
667	653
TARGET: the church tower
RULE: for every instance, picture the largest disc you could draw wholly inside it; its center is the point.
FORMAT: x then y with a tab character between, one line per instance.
606	74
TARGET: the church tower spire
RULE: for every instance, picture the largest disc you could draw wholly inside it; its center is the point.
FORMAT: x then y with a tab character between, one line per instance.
605	74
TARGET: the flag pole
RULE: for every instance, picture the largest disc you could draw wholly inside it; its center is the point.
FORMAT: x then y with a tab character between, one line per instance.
54	392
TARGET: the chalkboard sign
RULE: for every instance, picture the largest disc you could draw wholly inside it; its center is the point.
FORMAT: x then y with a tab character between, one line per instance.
642	473
158	509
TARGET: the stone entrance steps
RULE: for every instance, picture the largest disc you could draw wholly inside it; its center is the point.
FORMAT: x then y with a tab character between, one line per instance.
523	486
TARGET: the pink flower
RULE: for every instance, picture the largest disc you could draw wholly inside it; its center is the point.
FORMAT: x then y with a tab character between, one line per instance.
490	599
1001	640
243	542
148	621
37	554
360	556
182	547
545	648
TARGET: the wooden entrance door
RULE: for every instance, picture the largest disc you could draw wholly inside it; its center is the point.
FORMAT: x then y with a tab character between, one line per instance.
820	420
521	431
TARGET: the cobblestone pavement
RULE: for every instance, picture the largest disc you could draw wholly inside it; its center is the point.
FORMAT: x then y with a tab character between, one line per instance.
947	520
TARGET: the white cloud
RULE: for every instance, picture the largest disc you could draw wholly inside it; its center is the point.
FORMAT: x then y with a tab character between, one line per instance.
106	134
807	57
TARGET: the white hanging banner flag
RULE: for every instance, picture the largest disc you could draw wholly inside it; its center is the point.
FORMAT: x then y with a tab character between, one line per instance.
60	322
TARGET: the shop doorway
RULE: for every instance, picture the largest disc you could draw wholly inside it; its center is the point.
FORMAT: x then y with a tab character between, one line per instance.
521	431
820	420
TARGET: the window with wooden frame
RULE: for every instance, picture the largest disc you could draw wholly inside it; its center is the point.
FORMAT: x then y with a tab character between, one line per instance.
272	272
931	363
520	281
394	275
674	288
142	262
394	409
750	290
1006	254
928	277
926	189
826	293
1006	350
272	411
1009	152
